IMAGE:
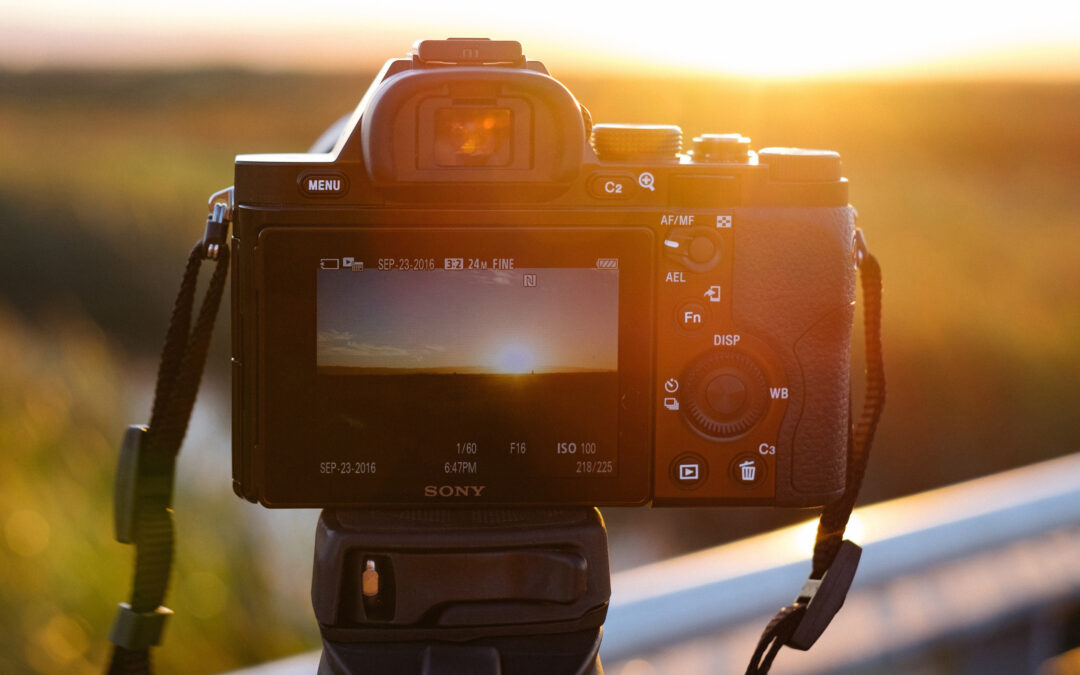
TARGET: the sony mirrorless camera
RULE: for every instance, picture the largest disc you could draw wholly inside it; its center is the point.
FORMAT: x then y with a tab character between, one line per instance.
479	297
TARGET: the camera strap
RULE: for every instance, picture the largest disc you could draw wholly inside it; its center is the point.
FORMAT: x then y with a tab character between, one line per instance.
801	623
146	468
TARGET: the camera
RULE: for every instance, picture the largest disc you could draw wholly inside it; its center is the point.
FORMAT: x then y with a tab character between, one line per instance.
479	297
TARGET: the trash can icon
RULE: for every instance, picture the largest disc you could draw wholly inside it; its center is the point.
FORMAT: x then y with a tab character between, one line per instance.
748	470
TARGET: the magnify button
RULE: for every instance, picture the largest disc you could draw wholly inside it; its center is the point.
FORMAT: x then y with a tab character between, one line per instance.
646	180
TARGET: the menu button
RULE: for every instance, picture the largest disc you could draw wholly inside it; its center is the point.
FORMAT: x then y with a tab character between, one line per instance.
323	184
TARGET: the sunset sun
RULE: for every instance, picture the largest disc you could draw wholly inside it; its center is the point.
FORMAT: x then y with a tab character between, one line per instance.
515	359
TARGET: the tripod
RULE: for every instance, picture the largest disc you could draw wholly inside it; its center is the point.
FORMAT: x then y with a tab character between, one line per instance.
447	591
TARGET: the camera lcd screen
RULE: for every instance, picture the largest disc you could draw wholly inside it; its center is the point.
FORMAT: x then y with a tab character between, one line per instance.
452	359
508	365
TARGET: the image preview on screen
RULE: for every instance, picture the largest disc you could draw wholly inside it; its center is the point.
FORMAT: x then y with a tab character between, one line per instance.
528	320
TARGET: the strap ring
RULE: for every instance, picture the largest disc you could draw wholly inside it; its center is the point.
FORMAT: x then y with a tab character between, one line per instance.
136	631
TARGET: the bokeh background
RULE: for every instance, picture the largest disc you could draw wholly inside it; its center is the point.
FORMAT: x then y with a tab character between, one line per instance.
957	122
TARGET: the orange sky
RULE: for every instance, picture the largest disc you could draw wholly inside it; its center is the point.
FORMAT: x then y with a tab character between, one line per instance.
920	38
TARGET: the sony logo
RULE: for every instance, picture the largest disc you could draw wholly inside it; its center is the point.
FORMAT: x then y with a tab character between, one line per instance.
453	490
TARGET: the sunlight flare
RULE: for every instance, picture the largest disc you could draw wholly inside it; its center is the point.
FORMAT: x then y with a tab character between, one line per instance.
515	359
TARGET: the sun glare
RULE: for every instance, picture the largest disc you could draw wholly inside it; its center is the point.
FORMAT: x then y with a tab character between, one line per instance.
805	534
765	39
515	359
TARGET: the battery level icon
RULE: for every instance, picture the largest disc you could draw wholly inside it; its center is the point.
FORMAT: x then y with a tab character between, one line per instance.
607	263
330	263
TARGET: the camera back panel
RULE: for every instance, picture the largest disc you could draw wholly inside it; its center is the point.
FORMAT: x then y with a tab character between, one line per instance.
488	310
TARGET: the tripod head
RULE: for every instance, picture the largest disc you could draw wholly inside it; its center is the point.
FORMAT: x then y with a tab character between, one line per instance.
432	591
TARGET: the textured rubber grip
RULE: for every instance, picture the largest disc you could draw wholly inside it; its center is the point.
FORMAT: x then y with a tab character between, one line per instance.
794	287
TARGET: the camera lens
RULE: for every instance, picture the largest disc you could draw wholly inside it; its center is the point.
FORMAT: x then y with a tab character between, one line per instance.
472	136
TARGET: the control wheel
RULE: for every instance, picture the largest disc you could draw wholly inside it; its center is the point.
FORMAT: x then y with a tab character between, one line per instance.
728	394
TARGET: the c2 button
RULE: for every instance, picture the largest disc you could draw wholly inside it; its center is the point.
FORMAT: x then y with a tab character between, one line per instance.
612	186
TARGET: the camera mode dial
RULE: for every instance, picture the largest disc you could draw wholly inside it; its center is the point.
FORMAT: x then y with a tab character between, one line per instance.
728	394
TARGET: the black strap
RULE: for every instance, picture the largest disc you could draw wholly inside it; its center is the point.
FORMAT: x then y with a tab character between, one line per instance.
147	464
798	625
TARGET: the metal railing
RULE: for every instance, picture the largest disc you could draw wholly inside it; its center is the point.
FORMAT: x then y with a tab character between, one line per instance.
964	560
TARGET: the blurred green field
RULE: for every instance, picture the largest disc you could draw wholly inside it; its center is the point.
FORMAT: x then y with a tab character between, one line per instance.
968	194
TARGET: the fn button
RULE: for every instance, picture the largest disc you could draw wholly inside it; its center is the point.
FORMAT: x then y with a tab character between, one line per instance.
690	316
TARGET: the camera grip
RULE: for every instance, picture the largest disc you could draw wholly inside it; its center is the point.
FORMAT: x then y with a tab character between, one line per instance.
794	287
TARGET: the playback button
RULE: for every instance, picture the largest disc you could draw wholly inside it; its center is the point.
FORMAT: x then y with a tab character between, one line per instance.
688	471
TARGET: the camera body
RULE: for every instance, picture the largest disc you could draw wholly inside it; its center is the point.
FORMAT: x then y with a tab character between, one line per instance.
478	297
